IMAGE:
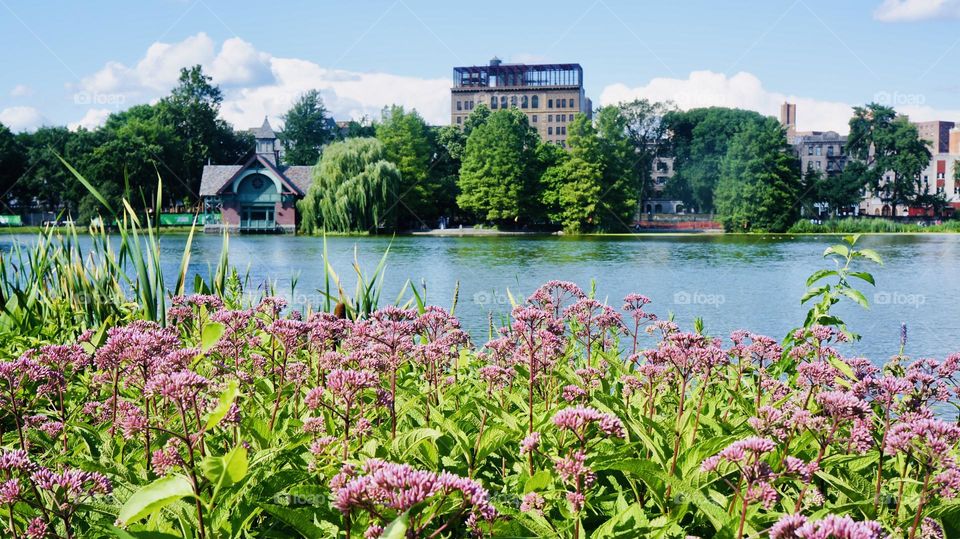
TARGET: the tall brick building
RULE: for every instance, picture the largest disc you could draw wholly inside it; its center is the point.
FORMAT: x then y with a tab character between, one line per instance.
549	94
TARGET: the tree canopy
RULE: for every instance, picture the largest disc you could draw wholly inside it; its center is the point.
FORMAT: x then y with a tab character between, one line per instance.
893	154
700	141
354	189
305	130
759	185
497	180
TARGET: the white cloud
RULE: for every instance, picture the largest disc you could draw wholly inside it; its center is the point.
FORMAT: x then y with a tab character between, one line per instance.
21	90
93	118
916	10
743	90
256	84
346	94
22	118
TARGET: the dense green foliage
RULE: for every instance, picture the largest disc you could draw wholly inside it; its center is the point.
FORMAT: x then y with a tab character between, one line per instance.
700	139
870	225
759	188
889	146
354	189
492	169
497	176
306	130
174	137
213	418
426	190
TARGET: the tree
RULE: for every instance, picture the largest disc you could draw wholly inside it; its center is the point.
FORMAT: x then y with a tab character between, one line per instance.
497	183
894	155
621	164
648	135
408	144
53	187
305	130
572	187
12	166
701	138
354	189
192	109
758	189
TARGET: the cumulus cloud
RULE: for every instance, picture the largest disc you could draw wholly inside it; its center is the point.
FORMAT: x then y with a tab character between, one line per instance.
22	118
916	10
21	90
92	119
742	90
257	84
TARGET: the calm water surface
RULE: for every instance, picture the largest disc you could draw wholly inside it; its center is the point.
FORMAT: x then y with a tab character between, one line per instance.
731	282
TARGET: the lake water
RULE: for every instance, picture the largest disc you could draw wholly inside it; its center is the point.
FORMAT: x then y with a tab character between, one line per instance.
732	282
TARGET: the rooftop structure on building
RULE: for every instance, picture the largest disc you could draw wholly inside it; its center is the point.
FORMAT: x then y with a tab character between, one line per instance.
549	94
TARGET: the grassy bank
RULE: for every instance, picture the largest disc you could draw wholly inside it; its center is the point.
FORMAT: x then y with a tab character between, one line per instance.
870	226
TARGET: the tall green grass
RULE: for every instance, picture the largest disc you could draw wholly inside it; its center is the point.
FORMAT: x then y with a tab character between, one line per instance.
868	226
58	286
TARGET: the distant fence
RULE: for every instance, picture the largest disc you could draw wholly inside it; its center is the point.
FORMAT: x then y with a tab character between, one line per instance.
179	219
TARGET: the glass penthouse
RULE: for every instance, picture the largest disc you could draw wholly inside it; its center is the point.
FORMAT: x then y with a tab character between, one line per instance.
549	94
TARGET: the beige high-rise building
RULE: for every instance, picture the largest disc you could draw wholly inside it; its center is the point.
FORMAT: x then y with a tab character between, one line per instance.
549	94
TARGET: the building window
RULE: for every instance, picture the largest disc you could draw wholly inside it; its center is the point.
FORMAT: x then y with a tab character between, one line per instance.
563	144
550	130
534	118
524	102
535	101
459	105
809	149
573	104
818	165
829	151
549	118
493	102
459	119
549	103
513	101
817	151
503	101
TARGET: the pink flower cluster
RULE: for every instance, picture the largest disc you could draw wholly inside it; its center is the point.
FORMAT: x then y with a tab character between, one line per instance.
384	485
830	527
579	418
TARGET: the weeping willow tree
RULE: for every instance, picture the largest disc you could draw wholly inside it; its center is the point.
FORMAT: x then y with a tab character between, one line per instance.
354	189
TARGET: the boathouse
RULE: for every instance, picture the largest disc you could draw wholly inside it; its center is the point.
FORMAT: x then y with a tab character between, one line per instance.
258	196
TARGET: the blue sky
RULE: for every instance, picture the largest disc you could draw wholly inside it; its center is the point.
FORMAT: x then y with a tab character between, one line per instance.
74	62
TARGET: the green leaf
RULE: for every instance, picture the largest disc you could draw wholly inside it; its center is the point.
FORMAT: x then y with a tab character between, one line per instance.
223	405
814	292
841	250
863	276
538	481
153	497
855	295
298	519
398	528
820	274
226	470
871	255
211	334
